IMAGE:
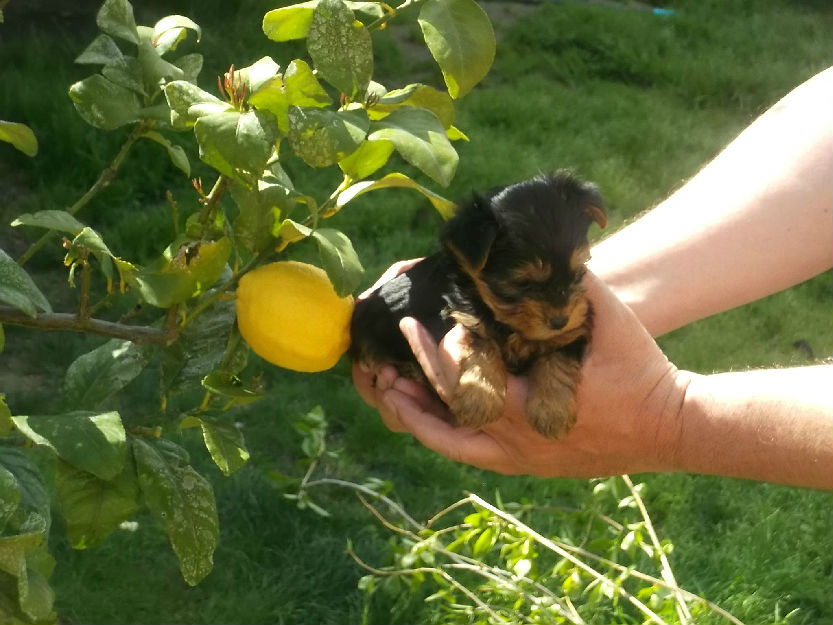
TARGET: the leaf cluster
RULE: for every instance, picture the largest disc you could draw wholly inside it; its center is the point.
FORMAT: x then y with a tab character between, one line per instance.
320	112
599	560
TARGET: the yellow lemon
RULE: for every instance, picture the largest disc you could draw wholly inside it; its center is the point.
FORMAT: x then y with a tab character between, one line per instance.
290	315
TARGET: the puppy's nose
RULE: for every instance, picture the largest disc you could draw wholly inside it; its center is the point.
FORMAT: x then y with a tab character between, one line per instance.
556	323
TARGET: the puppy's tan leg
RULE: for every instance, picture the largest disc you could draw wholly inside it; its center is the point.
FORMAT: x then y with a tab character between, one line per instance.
480	393
550	406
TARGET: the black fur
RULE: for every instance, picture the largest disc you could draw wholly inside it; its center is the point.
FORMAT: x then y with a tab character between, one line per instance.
493	234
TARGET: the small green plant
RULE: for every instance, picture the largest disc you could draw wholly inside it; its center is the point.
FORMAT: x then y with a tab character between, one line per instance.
484	563
322	112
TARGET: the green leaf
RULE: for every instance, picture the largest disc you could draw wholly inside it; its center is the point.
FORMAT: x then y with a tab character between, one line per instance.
89	441
96	376
116	18
228	385
289	231
9	497
340	48
420	96
2	342
126	72
34	596
93	508
101	51
170	30
20	136
461	39
445	207
6	423
255	75
260	206
302	87
191	66
18	289
156	71
33	512
288	23
89	241
293	22
298	86
51	219
339	259
237	144
368	158
485	541
183	502
188	103
104	104
175	152
419	137
186	270
225	444
198	350
323	137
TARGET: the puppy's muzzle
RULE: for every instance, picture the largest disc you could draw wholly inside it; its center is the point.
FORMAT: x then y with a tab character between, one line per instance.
557	323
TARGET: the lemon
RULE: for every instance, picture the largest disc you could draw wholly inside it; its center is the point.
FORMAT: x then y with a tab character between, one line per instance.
290	315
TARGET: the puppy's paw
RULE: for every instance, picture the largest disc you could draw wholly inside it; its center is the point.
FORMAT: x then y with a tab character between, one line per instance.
477	401
551	414
480	393
551	405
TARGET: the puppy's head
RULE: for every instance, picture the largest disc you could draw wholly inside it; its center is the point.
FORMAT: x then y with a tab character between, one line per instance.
524	246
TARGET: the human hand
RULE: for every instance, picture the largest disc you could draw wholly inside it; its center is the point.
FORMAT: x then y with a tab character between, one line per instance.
371	384
628	404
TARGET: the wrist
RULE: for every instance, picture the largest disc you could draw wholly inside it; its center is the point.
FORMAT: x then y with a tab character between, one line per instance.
667	405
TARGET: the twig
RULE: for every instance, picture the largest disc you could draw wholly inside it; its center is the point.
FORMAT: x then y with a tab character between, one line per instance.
427	569
220	186
665	566
565	554
445	511
72	322
496	574
84	295
649	578
372	493
393	528
104	178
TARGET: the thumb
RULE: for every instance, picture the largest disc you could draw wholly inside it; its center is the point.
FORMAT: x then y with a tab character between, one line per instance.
439	363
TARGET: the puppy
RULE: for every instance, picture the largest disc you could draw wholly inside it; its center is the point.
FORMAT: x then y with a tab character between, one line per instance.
509	270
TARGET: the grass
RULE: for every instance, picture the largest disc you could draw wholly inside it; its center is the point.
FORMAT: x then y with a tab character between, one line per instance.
635	102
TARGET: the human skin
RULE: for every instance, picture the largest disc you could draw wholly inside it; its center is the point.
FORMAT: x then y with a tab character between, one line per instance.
773	425
755	220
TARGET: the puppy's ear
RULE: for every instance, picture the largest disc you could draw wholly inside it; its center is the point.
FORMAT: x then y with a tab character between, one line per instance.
470	233
596	214
593	204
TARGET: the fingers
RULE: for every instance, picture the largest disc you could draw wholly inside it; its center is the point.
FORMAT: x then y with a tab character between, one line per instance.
439	365
472	447
391	272
371	387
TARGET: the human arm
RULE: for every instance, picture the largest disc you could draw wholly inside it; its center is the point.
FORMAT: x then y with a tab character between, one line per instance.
636	413
774	425
755	220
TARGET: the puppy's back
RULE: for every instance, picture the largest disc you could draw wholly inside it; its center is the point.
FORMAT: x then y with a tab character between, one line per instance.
417	292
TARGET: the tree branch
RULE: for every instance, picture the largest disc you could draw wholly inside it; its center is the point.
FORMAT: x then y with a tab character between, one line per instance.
72	322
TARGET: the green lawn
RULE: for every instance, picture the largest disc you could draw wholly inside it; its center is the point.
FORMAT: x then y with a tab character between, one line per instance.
634	101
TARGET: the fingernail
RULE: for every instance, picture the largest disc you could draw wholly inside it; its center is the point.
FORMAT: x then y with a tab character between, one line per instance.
407	326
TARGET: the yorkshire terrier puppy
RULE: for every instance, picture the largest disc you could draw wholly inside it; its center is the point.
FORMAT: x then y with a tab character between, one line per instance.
509	270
